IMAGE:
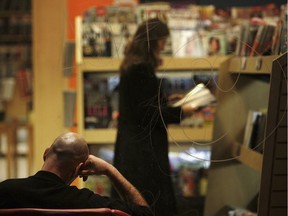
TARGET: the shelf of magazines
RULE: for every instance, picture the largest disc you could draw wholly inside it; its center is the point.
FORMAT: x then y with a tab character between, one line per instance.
92	69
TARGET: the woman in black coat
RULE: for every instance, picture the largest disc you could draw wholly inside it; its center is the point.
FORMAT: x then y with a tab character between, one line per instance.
141	151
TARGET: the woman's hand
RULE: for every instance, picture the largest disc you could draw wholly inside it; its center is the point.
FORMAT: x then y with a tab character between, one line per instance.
188	110
175	97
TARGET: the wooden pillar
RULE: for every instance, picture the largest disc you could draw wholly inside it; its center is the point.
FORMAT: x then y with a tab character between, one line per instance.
49	37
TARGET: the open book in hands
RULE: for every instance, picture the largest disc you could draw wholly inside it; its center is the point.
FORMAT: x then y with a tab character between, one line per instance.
199	97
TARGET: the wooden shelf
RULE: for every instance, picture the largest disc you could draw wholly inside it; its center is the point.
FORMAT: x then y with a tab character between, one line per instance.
200	63
175	134
190	134
248	65
251	158
103	64
100	64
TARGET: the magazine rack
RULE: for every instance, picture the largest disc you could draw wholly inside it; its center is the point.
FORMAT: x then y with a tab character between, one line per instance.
170	65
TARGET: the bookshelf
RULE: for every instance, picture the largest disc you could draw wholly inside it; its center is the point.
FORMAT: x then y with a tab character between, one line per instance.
240	89
273	190
5	153
104	138
243	85
247	155
16	153
170	64
181	138
16	56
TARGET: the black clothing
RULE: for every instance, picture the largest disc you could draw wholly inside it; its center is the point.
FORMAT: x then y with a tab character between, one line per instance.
47	190
141	151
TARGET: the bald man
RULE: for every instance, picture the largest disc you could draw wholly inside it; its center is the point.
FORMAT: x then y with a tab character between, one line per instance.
67	158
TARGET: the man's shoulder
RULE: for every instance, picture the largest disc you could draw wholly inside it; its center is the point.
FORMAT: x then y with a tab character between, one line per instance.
84	190
11	183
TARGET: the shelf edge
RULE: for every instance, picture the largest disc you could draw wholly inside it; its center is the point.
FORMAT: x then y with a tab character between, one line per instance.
251	158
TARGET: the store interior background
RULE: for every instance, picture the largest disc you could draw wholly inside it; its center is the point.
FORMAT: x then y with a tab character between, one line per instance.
53	24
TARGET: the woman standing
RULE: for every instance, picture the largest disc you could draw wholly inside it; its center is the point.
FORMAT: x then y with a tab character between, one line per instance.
141	151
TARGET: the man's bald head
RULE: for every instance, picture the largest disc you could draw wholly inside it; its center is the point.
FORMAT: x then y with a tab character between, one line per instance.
68	149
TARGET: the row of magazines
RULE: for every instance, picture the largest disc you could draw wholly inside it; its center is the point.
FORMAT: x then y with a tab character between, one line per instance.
194	31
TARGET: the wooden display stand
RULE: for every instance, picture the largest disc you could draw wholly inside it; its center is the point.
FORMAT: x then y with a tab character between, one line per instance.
240	89
12	149
235	172
177	134
273	190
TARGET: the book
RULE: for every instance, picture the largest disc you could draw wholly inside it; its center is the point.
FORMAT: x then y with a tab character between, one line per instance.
251	119
152	10
186	38
254	134
186	43
241	12
275	47
199	96
250	31
257	139
97	40
24	81
121	34
232	34
215	43
240	39
262	44
283	44
8	85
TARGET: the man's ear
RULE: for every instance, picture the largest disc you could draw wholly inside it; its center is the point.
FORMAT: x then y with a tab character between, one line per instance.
74	173
78	170
45	153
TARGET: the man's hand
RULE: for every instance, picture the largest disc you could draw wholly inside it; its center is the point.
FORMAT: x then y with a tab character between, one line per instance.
94	166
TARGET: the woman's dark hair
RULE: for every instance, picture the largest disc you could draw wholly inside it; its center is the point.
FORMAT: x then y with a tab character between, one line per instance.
143	46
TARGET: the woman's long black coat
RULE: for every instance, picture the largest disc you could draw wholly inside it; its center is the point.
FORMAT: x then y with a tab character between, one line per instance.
141	151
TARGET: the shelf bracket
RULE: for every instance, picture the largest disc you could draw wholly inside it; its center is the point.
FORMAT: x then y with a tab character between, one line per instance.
258	63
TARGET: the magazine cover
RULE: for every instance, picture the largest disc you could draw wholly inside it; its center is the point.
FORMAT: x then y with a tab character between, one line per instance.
186	43
215	43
